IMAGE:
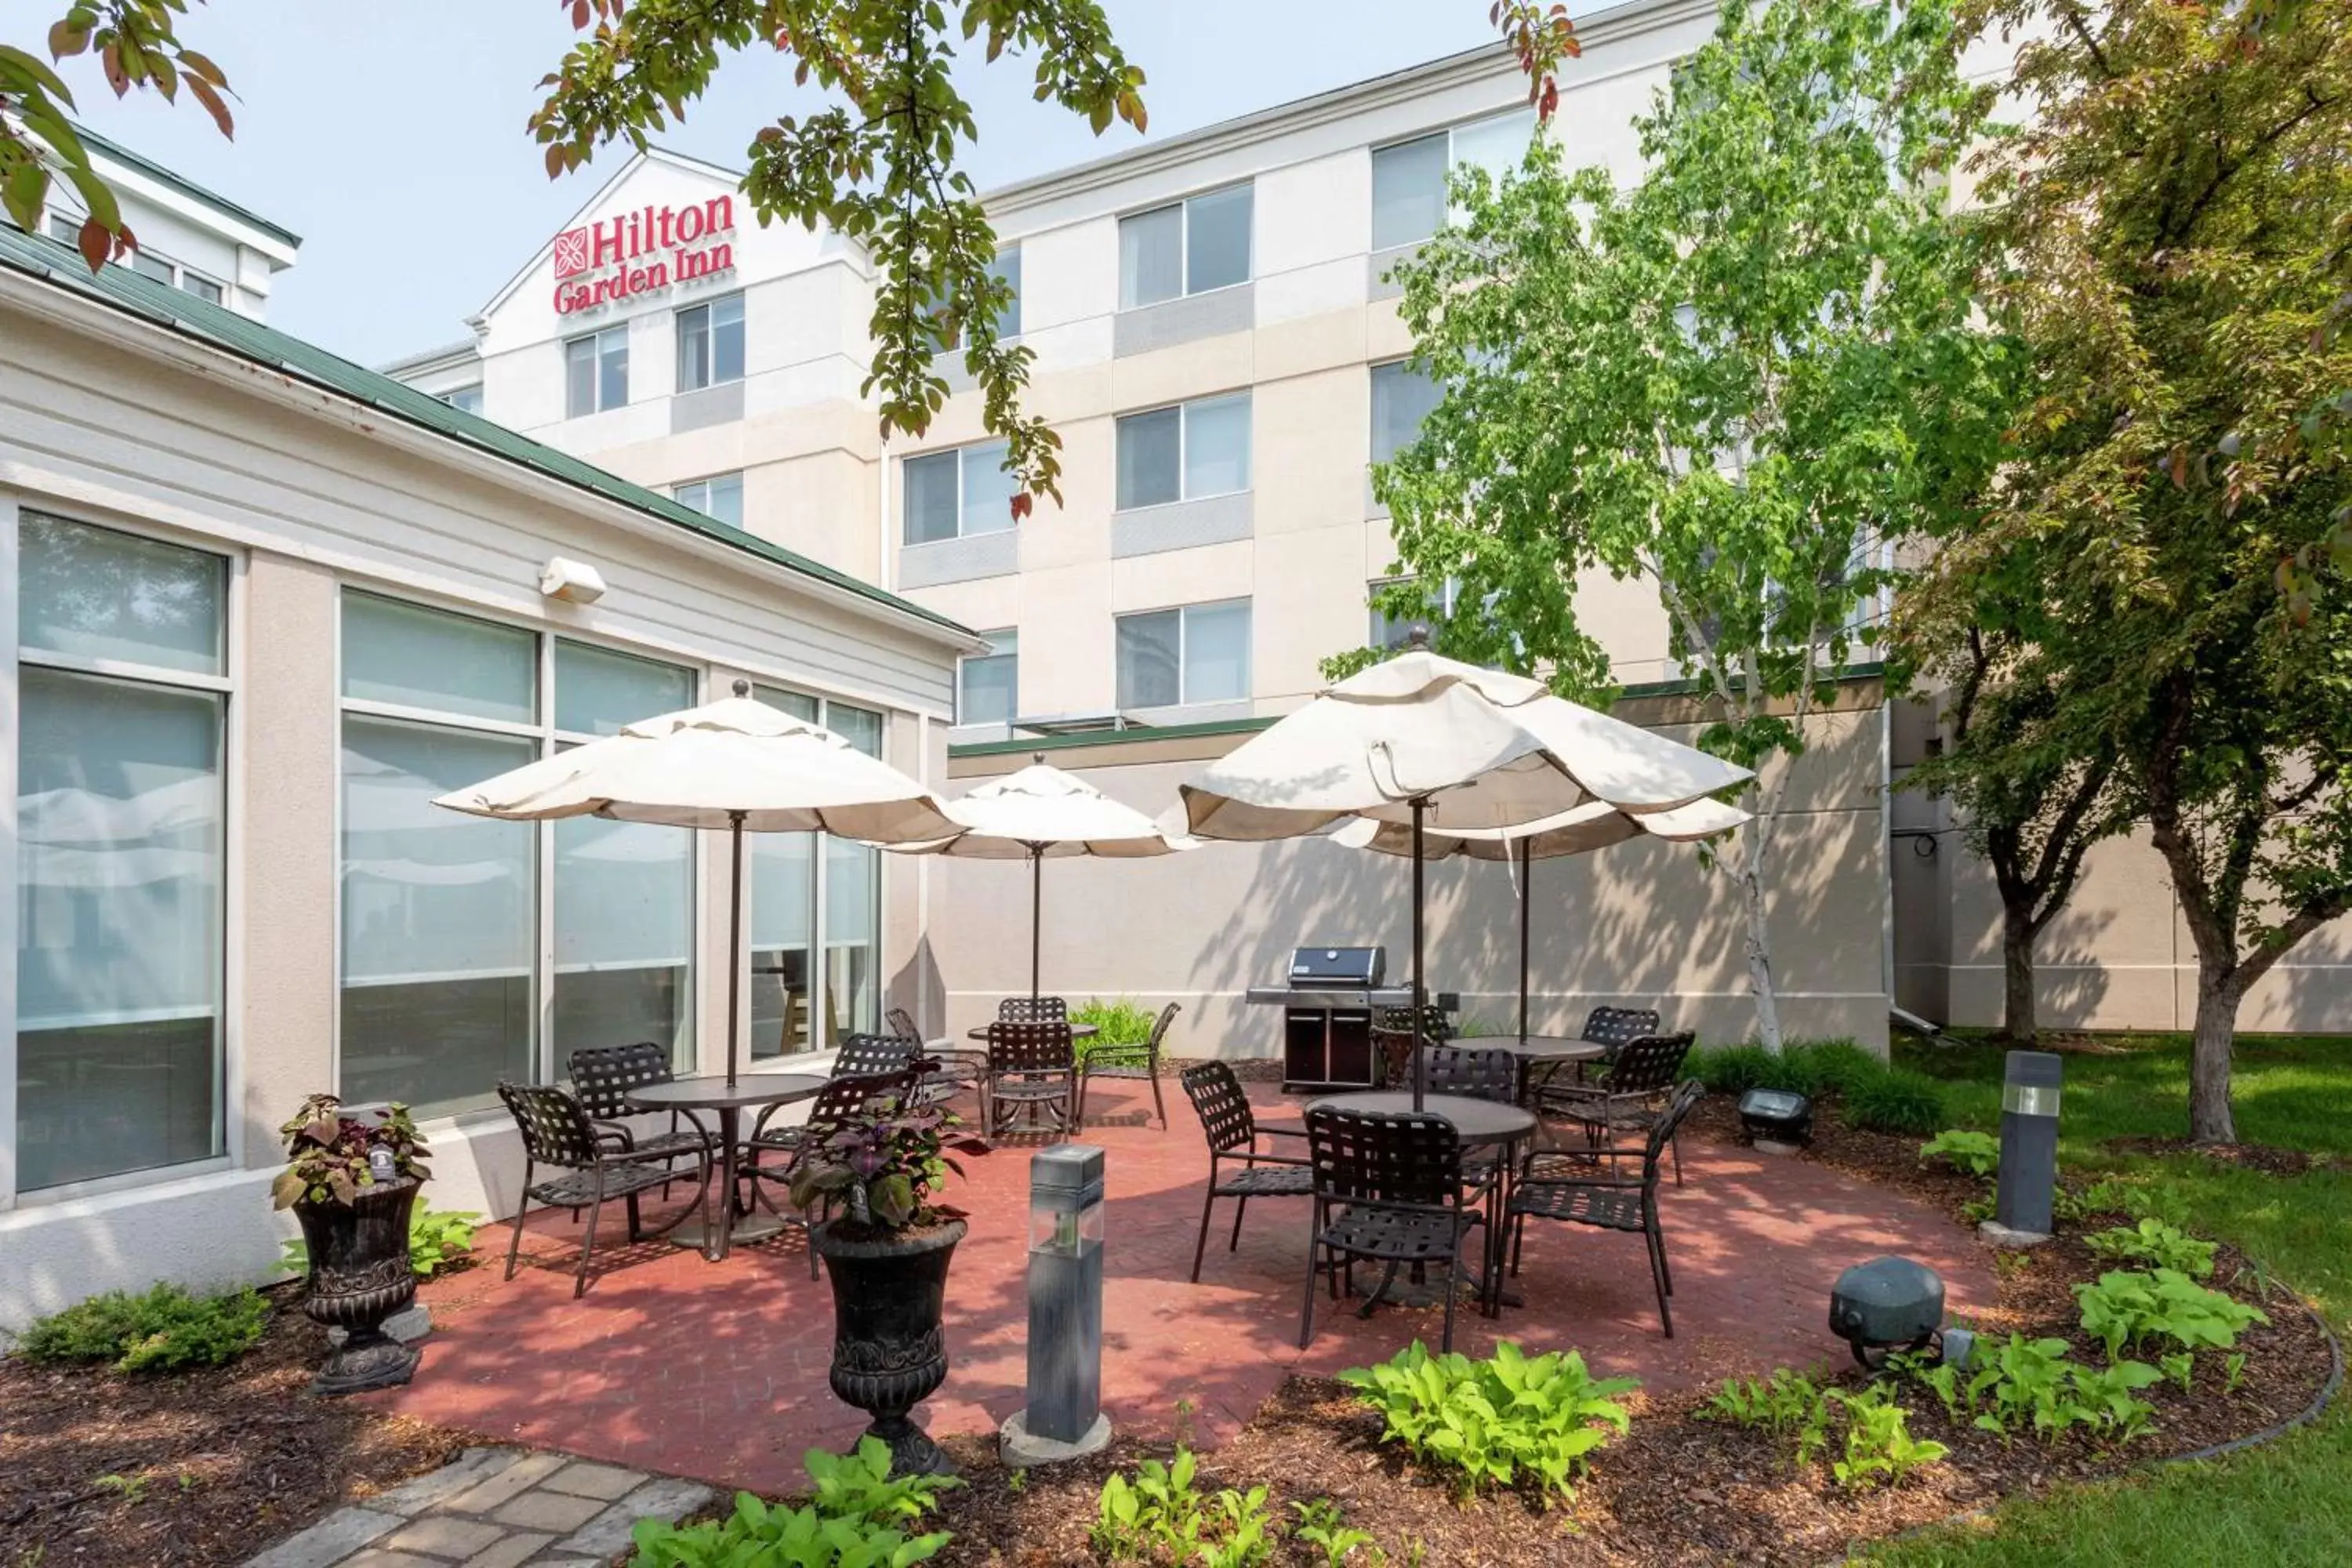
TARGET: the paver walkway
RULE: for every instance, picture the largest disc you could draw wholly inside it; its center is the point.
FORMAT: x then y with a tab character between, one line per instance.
493	1508
675	1365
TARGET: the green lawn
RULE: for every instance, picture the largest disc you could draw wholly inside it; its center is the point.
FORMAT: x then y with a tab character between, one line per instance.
2285	1503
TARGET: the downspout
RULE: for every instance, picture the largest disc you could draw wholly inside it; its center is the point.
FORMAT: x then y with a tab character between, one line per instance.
1886	840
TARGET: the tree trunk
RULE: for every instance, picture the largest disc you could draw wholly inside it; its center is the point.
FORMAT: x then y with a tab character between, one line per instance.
2210	1120
2017	978
1759	950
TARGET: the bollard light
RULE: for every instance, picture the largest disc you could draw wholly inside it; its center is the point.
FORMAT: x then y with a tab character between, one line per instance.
2029	1148
1064	1418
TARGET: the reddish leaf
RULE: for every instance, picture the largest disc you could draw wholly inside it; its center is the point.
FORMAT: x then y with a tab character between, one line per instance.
65	38
554	159
1022	503
212	105
94	241
2180	468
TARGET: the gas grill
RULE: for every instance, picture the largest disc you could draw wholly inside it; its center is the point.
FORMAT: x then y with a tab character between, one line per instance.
1327	1000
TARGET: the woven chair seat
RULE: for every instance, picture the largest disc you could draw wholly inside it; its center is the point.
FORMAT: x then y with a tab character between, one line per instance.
1027	1089
662	1144
1395	1235
1266	1182
1581	1203
777	1141
1120	1061
577	1189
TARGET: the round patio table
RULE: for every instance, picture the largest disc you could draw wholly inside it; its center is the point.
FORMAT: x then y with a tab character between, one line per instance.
1479	1123
1536	1051
749	1091
1078	1032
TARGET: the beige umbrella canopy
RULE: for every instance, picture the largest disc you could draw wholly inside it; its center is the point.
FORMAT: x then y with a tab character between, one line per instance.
1040	814
734	763
1594	826
1429	742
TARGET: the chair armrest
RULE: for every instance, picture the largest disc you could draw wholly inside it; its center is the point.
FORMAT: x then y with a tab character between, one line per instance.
1252	1157
1285	1132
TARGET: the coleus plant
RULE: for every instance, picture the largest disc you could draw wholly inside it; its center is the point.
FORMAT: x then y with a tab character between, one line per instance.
880	1168
329	1154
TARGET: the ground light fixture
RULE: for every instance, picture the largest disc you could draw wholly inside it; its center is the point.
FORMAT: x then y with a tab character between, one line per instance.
1064	1418
2026	1194
1886	1305
1776	1121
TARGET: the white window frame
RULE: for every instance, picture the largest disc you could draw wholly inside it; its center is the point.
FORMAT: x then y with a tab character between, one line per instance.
1184	614
1449	600
1184	449
710	335
229	1126
994	652
677	492
1453	162
1012	524
619	329
454	393
1184	243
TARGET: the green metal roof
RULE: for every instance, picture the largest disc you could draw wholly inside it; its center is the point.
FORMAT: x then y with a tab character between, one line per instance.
154	171
150	300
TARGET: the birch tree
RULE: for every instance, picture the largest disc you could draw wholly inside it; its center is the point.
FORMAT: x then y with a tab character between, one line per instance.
1739	381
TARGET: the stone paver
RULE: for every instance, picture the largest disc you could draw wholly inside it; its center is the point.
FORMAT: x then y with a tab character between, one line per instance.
508	1484
608	1533
472	1466
510	1551
332	1540
603	1482
377	1557
550	1510
444	1535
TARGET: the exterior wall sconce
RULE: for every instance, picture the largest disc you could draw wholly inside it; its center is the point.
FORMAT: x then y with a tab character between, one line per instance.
574	582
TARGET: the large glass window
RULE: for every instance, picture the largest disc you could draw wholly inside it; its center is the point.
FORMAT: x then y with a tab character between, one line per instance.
1199	653
1408	180
596	372
801	1001
1402	396
954	494
988	685
1007	269
720	496
120	872
465	399
1185	453
1185	248
710	343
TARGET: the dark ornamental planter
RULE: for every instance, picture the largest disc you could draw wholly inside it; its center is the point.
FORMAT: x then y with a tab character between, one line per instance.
888	1355
359	1275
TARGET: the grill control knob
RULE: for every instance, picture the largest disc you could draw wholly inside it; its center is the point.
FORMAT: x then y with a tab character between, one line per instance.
1330	953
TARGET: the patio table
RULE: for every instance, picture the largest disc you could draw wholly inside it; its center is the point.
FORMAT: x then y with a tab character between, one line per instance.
1479	1123
1078	1032
728	1102
1535	1050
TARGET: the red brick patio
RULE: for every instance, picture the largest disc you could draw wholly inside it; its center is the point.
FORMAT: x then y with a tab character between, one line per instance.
718	1372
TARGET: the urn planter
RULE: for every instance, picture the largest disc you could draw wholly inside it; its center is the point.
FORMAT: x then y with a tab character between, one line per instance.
888	1353
361	1275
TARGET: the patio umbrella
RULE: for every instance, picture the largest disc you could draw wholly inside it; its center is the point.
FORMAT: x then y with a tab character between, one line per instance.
1593	825
734	763
1421	740
1040	814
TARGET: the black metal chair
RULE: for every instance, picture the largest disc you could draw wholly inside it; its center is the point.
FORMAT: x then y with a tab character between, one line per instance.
602	1076
1474	1073
1627	1096
1593	1190
1393	1040
1619	1026
1387	1188
558	1135
1033	1010
1230	1125
845	1097
902	1025
1132	1060
1032	1066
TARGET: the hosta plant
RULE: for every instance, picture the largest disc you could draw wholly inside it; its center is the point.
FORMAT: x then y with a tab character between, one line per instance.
2030	1384
2160	1245
1879	1447
1154	1512
2127	1307
1976	1153
857	1518
1787	1404
1498	1419
330	1156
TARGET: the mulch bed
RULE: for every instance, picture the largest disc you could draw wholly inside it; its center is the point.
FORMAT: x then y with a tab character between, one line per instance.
208	1467
1678	1489
2263	1157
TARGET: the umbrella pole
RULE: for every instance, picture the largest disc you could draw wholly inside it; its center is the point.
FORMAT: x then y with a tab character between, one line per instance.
1036	912
1526	901
1420	994
735	946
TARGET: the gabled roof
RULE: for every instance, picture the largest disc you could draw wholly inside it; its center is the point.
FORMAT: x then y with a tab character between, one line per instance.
732	178
117	152
161	305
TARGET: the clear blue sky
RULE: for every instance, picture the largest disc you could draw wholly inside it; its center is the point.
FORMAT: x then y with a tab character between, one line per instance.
391	137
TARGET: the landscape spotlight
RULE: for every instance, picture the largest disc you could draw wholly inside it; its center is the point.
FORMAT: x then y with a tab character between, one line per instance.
1777	1120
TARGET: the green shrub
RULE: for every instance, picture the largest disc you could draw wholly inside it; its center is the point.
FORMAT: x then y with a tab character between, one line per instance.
1735	1069
164	1329
1321	1526
1157	1515
2129	1306
1878	1442
436	1237
1119	1023
2031	1384
1819	1068
1898	1101
1496	1419
2154	1242
850	1522
1975	1153
1787	1404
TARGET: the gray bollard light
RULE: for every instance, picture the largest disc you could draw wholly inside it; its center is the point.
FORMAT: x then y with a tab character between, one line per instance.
1064	1418
2029	1148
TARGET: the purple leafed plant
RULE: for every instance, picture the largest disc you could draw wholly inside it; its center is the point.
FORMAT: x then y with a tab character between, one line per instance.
329	1154
880	1169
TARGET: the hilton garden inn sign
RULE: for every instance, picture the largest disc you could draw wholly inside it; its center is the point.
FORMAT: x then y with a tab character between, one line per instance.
642	252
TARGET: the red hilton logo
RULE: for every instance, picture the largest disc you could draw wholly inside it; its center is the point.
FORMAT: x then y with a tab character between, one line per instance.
681	244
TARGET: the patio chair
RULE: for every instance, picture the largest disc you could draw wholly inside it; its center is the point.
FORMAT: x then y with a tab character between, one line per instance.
1600	1193
1033	1010
1627	1096
1617	1026
558	1135
1129	1061
1387	1188
1231	1124
1392	1038
843	1096
1474	1073
902	1025
602	1076
1030	1066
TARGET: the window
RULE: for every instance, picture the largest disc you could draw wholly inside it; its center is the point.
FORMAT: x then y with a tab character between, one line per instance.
988	685
788	988
203	288
1200	653
720	496
1402	396
1007	267
956	494
1388	633
154	267
64	226
1184	453
1185	248
465	399
1408	194
596	373
443	974
710	343
121	813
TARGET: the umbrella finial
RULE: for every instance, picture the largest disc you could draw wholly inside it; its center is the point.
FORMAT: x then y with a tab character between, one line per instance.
1038	757
743	687
1416	636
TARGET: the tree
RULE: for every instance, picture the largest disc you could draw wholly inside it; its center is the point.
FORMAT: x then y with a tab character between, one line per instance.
2170	227
1739	381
